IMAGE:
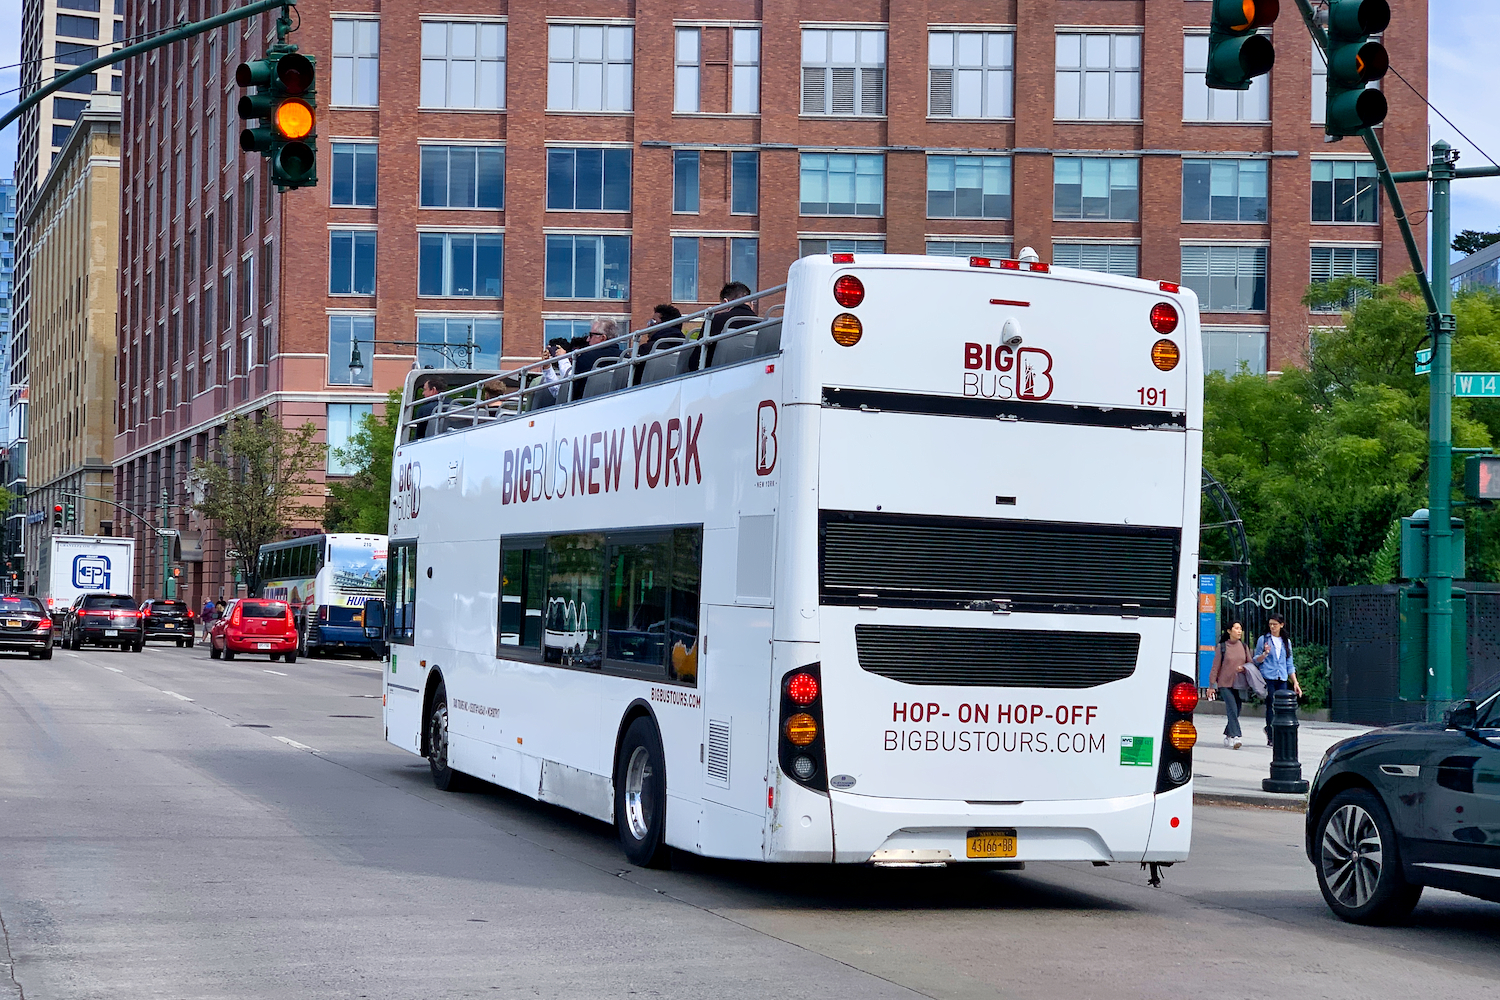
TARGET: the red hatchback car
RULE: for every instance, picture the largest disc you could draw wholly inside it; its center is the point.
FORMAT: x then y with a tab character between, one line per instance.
252	625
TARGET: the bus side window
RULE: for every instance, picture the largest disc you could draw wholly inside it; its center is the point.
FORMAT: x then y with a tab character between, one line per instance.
572	627
521	594
401	590
640	570
682	621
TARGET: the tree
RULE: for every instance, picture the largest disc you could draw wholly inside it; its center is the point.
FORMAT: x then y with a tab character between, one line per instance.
1472	241
362	502
258	483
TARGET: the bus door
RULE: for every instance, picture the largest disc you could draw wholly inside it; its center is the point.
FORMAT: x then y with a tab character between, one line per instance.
736	676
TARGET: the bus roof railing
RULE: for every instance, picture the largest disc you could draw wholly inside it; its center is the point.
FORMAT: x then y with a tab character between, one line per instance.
480	398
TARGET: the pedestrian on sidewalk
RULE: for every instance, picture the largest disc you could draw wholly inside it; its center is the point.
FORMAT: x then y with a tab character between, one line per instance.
1273	654
210	613
1231	660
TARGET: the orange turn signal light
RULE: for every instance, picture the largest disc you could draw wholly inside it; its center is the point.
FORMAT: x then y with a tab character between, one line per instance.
1165	355
1183	735
801	729
847	329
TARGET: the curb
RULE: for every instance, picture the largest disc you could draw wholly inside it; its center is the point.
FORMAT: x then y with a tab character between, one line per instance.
1262	800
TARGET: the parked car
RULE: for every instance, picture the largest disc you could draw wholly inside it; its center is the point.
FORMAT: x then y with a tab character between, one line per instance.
25	626
254	625
105	620
168	619
1397	809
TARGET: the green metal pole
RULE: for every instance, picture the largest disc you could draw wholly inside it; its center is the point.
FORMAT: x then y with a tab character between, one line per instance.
1440	450
166	545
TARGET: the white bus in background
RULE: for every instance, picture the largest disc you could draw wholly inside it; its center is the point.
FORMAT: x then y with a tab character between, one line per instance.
327	579
905	575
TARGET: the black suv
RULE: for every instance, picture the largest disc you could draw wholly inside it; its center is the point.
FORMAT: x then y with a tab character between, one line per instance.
26	626
105	620
167	619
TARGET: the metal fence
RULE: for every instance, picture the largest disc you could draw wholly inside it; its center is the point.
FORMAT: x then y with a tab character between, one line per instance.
1305	609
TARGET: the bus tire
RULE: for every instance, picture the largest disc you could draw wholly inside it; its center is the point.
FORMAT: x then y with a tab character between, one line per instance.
443	776
641	796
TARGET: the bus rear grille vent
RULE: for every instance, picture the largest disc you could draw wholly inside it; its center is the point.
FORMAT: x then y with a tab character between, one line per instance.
996	657
717	762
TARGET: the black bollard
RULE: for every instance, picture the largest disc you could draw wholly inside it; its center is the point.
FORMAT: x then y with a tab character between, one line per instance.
1286	769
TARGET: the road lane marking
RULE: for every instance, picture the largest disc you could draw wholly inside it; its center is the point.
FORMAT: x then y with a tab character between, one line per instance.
115	669
294	744
278	673
174	694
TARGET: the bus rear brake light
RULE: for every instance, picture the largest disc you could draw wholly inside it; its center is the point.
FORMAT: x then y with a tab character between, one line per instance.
1184	697
1169	286
802	688
1183	735
801	729
847	329
843	258
1165	355
1163	317
848	291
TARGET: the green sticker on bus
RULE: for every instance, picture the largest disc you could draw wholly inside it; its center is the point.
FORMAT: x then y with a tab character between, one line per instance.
1135	751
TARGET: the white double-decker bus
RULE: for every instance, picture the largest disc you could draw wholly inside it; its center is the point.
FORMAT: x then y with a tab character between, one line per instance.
903	574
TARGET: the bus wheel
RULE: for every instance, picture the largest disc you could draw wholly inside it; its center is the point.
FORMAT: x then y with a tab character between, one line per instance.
443	776
641	796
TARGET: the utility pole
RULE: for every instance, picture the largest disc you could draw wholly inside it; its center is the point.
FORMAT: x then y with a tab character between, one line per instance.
1441	324
166	548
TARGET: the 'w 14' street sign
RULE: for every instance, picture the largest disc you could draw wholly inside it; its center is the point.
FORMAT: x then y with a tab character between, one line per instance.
1476	384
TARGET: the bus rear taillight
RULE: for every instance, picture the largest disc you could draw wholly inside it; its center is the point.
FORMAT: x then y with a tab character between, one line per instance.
1164	317
848	291
847	329
1179	735
800	742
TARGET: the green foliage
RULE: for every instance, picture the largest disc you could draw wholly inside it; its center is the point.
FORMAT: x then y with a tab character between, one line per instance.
1473	240
1387	561
1325	459
1312	674
258	483
362	503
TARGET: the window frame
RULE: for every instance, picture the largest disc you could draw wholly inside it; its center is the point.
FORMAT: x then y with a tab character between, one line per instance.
1203	296
687	181
480	359
448	147
604	178
1208	330
1356	250
601	283
360	327
1259	88
401	568
984	69
605	62
353	235
858	67
1373	187
1112	161
1000	163
357	61
333	467
1239	198
685	268
356	150
1082	70
424	238
858	158
736	156
1108	245
448	59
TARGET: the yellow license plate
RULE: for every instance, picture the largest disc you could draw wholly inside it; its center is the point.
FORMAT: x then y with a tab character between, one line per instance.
169	625
12	623
992	843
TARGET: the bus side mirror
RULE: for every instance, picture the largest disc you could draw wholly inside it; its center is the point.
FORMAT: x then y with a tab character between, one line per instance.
374	619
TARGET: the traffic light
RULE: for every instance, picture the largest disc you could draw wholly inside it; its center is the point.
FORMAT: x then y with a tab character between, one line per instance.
70	518
57	517
1237	52
284	103
1353	61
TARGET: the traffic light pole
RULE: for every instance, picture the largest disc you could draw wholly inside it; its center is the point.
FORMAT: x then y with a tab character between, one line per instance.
176	34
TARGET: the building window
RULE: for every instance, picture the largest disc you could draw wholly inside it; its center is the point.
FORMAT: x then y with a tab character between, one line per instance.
588	267
1330	262
74	53
685	183
466	342
744	84
343	331
744	182
1345	191
806	248
588	180
843	72
351	262
971	74
247	304
1234	351
344	420
1226	278
353	174
684	269
60	134
843	184
67	108
744	261
689	41
460	265
463	177
356	62
78	27
969	248
968	187
589	67
566	329
463	65
1225	190
1096	189
1110	258
1099	77
1200	104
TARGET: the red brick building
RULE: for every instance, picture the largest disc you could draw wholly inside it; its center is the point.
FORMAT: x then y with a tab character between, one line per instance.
492	175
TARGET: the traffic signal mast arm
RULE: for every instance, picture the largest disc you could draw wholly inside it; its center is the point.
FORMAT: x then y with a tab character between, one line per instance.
176	34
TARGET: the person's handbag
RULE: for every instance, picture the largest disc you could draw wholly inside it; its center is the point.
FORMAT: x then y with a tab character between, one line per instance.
1254	678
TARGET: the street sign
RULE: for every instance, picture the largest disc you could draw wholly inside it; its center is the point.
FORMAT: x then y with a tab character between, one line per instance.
1476	384
1208	624
1424	361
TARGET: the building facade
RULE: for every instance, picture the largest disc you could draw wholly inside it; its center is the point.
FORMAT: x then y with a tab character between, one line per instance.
494	175
10	543
75	227
1480	269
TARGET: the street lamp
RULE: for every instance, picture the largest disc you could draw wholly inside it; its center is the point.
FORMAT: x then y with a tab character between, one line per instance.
448	351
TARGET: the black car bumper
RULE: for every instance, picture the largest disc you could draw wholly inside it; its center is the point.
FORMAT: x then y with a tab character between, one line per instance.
177	630
35	640
102	634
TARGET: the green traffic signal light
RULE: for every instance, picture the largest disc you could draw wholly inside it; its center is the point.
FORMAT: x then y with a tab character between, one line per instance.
1237	52
70	517
1354	60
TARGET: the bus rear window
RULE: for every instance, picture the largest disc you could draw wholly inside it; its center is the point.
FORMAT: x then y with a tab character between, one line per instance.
263	609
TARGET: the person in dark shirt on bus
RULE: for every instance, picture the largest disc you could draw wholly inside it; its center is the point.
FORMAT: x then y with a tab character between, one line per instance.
428	387
664	313
599	331
730	292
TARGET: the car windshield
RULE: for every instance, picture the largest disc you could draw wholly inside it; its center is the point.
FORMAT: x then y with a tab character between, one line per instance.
115	603
263	609
14	605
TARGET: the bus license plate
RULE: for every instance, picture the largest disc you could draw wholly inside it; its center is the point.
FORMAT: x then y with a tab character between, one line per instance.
992	843
263	645
111	631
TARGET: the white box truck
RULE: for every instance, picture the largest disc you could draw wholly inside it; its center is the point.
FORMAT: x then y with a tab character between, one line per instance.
83	564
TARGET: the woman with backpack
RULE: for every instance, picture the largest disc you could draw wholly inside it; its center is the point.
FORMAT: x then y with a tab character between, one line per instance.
1273	653
1229	676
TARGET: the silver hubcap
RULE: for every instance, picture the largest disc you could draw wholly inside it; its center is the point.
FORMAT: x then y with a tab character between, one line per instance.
637	799
1352	856
438	738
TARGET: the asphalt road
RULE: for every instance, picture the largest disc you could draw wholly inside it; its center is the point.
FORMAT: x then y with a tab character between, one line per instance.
173	826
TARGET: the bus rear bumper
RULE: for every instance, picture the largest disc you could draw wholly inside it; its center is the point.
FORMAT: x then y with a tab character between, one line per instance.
868	829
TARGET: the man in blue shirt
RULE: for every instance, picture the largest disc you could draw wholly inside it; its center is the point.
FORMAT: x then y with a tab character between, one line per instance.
1273	654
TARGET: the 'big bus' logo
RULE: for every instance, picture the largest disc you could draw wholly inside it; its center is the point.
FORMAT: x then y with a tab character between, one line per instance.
765	438
1000	372
408	490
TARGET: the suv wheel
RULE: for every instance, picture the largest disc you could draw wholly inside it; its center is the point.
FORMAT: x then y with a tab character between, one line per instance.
1359	865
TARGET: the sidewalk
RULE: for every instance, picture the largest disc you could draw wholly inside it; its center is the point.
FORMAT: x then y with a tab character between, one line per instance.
1232	777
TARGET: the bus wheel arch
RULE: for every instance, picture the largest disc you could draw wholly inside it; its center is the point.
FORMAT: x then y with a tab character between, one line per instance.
640	788
434	681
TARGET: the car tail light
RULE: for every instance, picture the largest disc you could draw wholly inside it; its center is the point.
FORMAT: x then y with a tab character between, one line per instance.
1164	317
848	291
800	738
45	623
1165	355
236	616
847	329
190	615
1179	735
323	613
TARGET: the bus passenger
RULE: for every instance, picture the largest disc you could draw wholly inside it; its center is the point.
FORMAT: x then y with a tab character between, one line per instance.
554	375
428	387
733	290
664	313
600	330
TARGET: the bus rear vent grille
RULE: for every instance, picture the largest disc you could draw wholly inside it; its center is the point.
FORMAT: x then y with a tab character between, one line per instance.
717	762
996	657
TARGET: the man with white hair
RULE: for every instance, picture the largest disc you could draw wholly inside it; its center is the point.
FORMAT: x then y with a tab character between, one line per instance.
601	329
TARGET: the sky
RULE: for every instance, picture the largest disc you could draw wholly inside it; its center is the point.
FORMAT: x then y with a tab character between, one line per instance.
1464	61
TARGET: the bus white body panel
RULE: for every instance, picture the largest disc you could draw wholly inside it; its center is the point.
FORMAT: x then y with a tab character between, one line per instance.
818	475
